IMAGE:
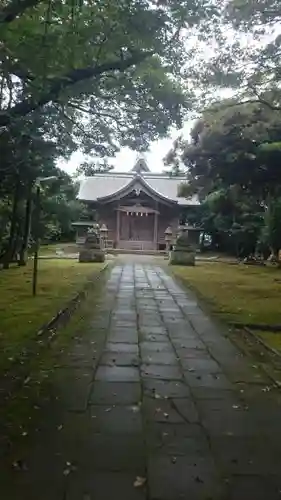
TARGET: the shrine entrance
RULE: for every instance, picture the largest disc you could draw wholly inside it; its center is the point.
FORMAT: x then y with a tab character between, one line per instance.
137	227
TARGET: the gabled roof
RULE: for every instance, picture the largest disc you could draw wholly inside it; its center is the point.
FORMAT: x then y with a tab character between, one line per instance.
104	187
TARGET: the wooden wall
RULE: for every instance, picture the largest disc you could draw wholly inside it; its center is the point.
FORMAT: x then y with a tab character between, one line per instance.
168	216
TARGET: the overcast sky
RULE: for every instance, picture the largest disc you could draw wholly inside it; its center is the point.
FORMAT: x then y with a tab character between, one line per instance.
126	158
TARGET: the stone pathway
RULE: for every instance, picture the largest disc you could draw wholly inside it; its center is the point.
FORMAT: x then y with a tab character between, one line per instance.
155	405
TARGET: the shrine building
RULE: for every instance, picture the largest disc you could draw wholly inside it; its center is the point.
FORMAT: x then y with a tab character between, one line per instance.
135	207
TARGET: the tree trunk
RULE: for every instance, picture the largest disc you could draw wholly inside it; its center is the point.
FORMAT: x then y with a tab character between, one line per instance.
27	225
9	252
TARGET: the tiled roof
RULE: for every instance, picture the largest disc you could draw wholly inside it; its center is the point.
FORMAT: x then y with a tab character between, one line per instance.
105	185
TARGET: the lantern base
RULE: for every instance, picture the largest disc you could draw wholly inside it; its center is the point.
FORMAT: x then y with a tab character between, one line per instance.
91	255
182	258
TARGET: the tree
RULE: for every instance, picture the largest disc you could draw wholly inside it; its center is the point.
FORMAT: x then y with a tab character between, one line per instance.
271	233
59	208
26	155
245	56
109	68
233	163
90	168
235	145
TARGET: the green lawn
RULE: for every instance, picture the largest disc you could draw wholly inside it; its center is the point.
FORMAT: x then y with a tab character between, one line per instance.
21	315
237	293
50	249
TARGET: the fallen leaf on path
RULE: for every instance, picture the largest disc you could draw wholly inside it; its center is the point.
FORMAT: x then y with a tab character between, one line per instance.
20	465
139	482
135	409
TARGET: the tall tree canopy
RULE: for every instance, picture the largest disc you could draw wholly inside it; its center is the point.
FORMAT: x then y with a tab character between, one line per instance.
244	56
233	163
234	144
112	70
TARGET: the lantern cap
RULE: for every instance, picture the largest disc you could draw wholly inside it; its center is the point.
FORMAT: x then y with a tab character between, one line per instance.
168	231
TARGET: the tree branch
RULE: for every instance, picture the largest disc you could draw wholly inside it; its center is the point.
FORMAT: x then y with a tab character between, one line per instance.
8	63
16	8
98	113
74	122
264	101
75	76
258	100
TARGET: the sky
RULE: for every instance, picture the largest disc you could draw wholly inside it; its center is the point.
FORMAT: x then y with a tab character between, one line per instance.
126	158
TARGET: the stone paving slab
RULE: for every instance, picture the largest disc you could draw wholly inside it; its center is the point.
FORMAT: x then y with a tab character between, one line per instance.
121	347
181	477
176	439
155	404
165	389
119	359
117	373
161	372
116	419
159	358
165	346
103	486
116	393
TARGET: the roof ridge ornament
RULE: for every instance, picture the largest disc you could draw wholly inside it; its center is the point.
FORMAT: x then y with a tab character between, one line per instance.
140	166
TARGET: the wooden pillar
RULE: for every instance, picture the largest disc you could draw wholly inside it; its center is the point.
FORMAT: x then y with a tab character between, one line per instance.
155	238
117	226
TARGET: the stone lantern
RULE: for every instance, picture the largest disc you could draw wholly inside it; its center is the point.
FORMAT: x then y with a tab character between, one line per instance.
168	238
185	247
91	250
103	235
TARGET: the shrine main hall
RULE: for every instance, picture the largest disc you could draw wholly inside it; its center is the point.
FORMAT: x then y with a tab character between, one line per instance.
135	207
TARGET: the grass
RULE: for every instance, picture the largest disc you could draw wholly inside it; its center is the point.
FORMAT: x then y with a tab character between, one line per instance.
21	315
51	248
272	339
21	412
238	293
